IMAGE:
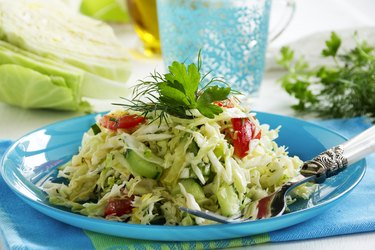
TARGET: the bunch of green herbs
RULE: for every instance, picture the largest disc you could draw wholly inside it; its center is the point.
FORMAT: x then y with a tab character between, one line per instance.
177	93
342	89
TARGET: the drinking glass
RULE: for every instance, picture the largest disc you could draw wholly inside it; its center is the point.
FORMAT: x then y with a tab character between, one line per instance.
231	35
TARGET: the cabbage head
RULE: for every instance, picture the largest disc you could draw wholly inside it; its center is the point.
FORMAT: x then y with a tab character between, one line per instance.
51	56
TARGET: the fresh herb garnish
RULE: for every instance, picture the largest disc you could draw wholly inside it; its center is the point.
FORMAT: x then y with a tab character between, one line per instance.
343	89
177	92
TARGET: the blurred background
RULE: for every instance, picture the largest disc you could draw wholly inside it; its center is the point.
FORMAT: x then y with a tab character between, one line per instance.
134	23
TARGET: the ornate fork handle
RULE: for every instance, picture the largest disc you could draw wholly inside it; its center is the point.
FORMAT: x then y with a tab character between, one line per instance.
334	160
326	164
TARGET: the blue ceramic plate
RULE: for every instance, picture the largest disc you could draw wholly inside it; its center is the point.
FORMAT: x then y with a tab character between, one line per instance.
36	156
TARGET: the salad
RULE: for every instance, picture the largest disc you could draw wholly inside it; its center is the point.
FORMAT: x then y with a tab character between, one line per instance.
182	147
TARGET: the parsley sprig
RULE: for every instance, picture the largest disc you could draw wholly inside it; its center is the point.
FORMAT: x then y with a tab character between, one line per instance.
177	92
341	89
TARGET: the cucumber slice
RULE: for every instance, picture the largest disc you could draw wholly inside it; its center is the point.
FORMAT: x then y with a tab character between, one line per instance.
139	166
191	186
228	200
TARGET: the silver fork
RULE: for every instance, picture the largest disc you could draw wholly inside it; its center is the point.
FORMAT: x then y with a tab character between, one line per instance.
325	165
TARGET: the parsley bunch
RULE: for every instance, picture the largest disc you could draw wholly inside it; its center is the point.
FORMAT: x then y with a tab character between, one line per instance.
177	92
343	89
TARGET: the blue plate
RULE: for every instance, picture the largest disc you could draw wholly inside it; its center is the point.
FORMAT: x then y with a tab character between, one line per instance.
35	157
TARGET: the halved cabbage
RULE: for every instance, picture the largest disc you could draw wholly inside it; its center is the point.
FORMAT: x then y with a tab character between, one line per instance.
43	39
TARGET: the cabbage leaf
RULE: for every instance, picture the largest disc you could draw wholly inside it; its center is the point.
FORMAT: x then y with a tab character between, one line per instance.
19	85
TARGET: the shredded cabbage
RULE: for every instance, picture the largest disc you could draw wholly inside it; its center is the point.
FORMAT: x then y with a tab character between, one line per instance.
200	170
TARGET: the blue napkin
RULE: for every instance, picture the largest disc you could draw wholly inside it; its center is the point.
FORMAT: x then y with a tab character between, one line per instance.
22	227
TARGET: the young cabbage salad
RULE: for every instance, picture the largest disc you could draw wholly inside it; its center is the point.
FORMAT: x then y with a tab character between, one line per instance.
174	145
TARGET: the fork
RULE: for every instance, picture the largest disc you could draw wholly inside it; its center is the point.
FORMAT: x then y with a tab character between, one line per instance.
321	167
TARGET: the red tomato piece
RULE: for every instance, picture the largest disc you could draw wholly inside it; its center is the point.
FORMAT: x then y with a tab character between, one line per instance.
225	103
118	207
127	122
243	131
258	135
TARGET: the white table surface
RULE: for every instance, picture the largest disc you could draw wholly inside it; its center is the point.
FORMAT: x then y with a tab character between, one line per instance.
311	16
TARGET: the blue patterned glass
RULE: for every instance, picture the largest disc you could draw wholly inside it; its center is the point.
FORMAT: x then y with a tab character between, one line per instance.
231	34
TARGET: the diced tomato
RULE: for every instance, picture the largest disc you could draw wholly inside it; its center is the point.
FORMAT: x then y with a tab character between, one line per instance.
126	122
225	103
264	209
258	135
243	131
118	207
